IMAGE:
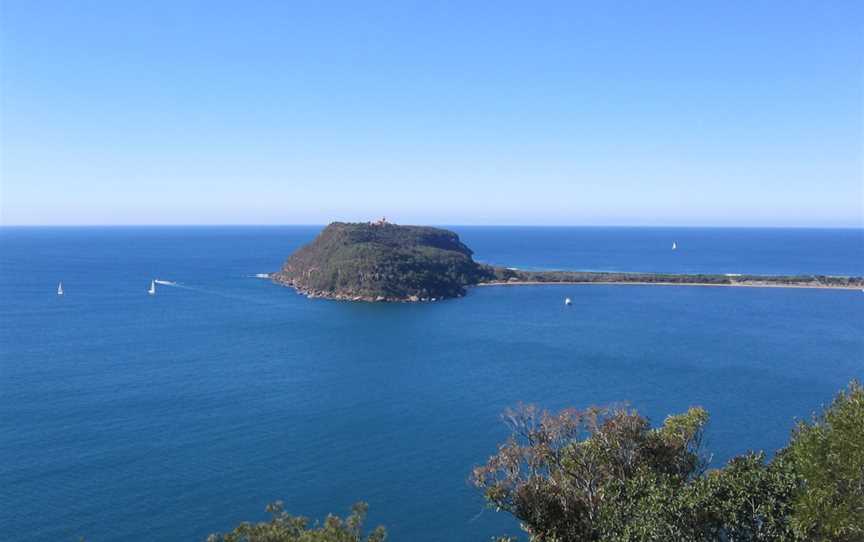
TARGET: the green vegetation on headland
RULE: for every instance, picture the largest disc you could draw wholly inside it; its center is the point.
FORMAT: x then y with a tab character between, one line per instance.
606	475
380	261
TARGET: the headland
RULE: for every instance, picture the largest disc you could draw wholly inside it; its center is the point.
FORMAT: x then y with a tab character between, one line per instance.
384	262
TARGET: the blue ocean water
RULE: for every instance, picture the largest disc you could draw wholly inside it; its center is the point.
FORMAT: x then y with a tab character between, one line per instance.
130	417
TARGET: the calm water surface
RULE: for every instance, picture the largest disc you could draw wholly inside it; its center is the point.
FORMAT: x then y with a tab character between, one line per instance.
130	417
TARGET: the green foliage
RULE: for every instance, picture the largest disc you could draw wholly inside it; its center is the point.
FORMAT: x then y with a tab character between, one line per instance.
606	475
382	260
748	499
283	527
829	455
556	472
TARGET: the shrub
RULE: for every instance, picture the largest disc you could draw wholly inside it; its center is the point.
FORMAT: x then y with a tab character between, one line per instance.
284	527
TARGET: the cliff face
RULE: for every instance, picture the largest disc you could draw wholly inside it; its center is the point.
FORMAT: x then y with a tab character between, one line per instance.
382	262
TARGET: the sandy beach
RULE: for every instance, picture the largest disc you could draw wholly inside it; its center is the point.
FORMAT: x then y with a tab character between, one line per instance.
644	283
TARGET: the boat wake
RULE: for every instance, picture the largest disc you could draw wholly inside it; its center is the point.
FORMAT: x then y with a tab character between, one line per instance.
207	291
274	302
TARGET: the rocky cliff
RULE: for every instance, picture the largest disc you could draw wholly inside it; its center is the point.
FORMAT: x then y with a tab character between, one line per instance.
382	262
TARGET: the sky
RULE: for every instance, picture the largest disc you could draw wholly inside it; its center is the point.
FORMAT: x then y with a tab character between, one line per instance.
496	112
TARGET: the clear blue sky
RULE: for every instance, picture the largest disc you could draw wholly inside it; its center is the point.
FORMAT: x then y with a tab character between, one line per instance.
649	113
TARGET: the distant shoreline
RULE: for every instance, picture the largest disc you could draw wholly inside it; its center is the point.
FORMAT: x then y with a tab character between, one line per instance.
384	262
645	283
509	276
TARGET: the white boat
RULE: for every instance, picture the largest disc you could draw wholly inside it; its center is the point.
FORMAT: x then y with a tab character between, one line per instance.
674	245
152	290
60	288
568	301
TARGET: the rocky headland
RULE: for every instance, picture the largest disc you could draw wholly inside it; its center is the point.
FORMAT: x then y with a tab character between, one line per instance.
380	262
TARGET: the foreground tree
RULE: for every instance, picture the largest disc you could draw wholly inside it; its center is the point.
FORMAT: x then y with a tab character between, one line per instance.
284	527
828	454
605	474
557	472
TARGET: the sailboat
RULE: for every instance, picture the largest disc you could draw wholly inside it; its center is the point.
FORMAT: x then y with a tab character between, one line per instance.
568	301
152	290
60	288
674	245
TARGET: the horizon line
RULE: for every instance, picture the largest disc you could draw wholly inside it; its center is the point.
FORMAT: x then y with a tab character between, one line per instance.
271	225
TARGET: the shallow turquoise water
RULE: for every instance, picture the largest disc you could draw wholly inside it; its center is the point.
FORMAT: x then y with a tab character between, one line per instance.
130	417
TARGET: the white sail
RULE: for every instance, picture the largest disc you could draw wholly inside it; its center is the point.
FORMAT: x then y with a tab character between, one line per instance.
568	301
60	288
674	245
152	289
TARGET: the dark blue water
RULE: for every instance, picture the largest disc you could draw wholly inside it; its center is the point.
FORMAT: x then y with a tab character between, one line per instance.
130	417
765	251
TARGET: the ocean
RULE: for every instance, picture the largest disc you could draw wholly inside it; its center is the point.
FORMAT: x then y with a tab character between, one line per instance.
131	417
